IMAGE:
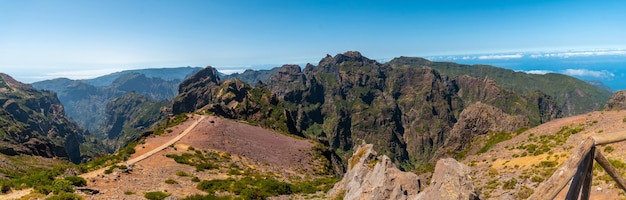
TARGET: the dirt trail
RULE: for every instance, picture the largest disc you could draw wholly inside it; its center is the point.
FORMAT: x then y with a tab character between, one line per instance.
16	194
95	173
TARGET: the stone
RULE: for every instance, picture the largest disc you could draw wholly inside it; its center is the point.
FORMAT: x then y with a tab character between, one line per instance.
451	180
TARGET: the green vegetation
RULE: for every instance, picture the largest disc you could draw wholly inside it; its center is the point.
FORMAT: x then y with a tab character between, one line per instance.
113	167
107	160
257	187
158	195
171	181
609	149
129	192
182	173
510	184
65	196
174	121
77	181
199	160
494	138
545	143
207	197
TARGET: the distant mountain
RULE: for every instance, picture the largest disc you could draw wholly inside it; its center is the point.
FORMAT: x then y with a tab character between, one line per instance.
87	101
167	74
252	76
34	123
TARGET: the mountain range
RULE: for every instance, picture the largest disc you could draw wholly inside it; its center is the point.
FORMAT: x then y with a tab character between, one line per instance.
413	110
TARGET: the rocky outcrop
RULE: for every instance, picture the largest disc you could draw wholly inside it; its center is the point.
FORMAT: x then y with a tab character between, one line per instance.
233	99
479	119
451	180
375	177
617	101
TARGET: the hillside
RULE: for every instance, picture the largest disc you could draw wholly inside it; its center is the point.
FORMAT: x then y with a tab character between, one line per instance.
573	96
218	151
34	123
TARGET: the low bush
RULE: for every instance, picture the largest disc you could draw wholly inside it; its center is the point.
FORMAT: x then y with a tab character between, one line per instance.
158	195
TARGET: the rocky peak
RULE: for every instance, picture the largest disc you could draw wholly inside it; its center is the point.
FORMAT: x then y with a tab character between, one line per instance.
617	101
375	177
403	61
205	76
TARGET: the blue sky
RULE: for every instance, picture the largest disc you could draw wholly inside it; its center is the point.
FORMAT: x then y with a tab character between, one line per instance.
44	39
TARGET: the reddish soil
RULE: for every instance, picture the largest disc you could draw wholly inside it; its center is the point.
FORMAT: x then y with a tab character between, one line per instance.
250	146
252	142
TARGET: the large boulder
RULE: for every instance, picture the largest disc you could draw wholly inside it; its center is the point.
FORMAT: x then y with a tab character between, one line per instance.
617	101
375	177
451	180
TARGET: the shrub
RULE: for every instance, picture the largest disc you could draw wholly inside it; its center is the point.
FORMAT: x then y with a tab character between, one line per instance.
608	149
206	197
182	173
158	195
171	181
77	181
195	179
62	185
65	196
129	192
509	185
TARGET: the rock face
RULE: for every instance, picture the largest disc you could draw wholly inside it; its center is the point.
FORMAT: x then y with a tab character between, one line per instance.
375	177
476	120
34	123
451	180
404	108
129	115
617	101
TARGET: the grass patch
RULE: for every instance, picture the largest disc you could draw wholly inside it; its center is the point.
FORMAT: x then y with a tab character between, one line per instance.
158	195
171	181
258	187
493	140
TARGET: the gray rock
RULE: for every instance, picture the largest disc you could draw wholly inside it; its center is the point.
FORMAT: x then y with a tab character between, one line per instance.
374	177
617	101
451	180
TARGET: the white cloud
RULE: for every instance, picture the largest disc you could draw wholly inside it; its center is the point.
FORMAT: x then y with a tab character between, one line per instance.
494	57
541	72
81	74
580	53
590	73
231	71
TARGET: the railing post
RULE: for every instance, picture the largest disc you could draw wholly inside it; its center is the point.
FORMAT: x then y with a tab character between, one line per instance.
610	170
581	174
586	193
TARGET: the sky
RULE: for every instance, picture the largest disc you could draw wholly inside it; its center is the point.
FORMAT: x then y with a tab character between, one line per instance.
83	39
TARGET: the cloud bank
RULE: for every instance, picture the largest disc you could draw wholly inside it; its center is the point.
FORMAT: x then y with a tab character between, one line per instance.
589	73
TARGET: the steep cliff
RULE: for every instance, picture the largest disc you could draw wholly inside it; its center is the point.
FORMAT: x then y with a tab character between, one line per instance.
34	123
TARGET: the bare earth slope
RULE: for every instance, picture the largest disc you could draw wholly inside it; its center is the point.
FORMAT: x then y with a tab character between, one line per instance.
514	168
245	146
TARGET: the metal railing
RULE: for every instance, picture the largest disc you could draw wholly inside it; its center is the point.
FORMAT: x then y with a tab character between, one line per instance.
579	169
